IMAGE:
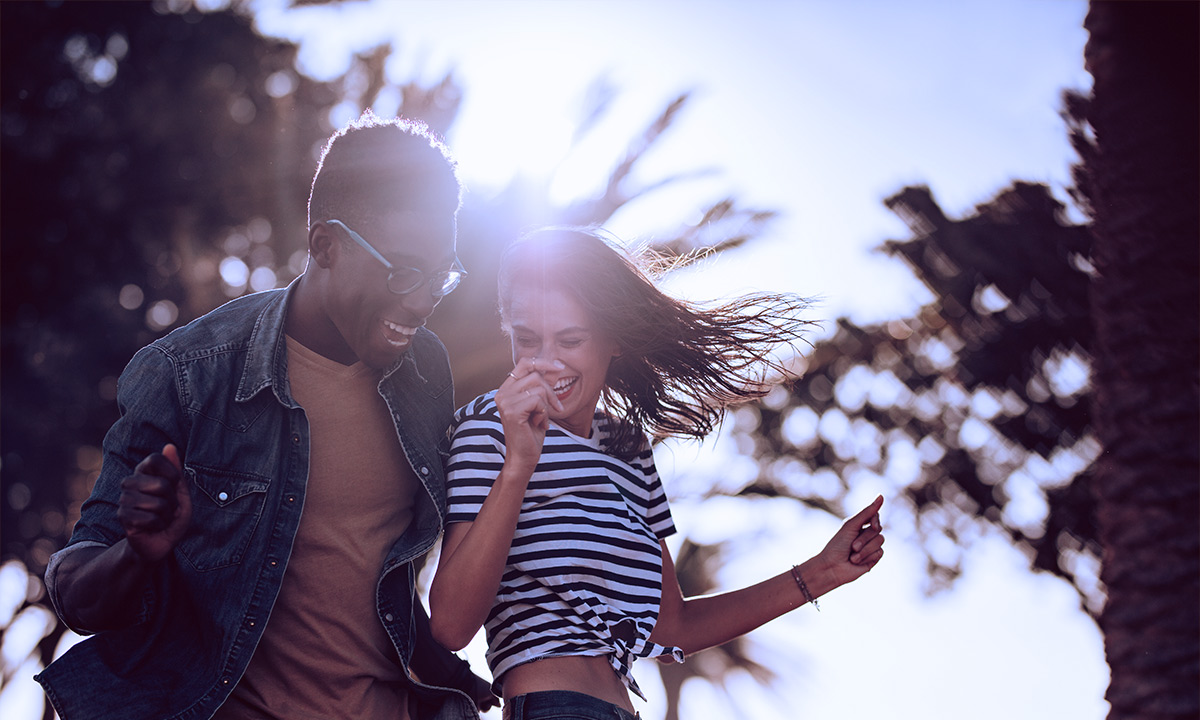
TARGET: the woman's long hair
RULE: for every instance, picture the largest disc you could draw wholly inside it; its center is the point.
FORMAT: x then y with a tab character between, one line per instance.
681	363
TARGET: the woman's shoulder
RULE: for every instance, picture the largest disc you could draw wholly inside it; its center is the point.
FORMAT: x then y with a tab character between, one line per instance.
482	407
609	426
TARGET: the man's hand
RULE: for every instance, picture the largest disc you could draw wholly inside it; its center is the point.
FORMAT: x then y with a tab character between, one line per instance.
156	505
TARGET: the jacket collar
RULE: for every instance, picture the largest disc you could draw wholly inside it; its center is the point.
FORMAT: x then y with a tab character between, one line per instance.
266	352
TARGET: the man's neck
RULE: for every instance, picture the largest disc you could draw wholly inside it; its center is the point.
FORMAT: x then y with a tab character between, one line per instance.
309	325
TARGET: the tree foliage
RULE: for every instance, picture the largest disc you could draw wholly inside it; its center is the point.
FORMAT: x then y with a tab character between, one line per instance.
975	408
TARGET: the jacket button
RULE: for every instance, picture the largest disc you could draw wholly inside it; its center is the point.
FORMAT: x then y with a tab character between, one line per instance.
296	439
424	470
389	617
222	496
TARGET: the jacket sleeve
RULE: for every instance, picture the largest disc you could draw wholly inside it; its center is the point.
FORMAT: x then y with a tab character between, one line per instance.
151	416
435	665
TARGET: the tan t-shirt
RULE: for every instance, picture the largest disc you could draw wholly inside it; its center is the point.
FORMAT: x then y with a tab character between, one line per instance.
324	653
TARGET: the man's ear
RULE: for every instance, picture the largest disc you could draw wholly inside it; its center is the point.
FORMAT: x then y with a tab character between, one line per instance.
322	245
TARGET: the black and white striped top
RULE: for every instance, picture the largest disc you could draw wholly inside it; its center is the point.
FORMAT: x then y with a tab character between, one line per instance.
584	574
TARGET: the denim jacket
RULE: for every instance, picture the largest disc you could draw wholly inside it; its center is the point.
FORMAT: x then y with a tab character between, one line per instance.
218	389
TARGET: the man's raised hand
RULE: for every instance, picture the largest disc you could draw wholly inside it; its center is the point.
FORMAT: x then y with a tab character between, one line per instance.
155	507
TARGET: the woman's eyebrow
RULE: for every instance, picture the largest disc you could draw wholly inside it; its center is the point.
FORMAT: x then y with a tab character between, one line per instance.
573	330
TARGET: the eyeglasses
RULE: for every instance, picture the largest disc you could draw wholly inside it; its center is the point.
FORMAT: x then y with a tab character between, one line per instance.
404	280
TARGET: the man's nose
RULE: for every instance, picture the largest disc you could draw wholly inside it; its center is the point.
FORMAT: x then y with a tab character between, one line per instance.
420	302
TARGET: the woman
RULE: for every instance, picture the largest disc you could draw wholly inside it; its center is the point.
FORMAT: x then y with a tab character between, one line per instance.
556	516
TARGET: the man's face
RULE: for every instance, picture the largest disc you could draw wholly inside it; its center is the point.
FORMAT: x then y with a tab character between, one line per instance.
376	323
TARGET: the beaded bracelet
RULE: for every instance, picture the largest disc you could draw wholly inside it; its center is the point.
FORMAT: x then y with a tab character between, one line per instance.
804	588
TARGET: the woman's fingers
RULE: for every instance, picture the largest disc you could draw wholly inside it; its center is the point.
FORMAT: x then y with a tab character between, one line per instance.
528	377
869	534
867	548
527	366
868	515
864	537
869	561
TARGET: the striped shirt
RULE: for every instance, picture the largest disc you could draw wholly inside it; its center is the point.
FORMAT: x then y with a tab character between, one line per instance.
584	573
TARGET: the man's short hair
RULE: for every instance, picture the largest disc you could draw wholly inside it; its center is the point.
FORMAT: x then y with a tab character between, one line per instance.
374	166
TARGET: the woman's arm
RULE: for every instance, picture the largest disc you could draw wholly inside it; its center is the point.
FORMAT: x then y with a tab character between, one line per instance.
474	554
473	558
693	624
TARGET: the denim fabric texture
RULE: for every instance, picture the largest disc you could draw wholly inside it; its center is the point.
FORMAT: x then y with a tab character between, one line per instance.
563	705
218	389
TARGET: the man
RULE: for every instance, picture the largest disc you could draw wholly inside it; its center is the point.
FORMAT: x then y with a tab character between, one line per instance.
247	551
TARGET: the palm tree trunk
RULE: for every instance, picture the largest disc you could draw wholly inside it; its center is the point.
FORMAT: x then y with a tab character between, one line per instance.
1139	176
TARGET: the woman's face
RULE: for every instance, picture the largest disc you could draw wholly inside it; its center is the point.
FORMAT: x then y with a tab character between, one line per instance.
548	324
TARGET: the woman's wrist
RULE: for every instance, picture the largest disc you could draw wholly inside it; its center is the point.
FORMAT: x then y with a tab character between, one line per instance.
813	576
516	470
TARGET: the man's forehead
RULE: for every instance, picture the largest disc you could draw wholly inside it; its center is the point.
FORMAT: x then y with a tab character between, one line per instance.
412	232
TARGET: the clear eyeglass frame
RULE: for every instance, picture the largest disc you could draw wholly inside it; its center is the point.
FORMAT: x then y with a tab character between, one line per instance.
402	279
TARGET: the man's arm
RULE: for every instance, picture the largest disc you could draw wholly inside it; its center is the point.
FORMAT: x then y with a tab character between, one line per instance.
100	588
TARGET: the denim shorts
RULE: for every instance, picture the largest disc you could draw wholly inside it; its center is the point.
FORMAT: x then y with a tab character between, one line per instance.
563	705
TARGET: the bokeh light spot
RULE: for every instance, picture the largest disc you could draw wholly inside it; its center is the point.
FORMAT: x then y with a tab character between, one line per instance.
280	84
131	297
103	70
263	278
117	46
234	272
242	110
161	315
19	496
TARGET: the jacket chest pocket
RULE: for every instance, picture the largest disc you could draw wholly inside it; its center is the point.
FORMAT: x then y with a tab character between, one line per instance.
226	509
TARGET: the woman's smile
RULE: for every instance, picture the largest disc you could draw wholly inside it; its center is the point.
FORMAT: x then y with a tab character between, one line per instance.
549	324
563	387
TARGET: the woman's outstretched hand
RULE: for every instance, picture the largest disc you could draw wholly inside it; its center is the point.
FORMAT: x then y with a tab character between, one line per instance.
856	547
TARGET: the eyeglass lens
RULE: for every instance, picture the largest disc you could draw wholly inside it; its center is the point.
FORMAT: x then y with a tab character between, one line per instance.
405	280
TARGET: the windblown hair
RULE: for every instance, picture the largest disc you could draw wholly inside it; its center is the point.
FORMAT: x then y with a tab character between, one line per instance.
373	166
681	363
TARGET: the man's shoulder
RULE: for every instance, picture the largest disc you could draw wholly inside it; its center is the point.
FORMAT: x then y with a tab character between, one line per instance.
428	347
228	328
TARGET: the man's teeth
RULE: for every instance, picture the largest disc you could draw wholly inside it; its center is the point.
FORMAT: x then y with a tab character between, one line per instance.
401	329
404	330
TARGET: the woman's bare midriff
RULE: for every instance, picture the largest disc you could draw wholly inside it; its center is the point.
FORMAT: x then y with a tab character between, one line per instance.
588	675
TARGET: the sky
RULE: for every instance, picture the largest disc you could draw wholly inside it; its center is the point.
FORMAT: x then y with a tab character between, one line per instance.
818	109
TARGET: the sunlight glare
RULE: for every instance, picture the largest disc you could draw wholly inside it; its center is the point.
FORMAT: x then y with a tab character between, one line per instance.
530	146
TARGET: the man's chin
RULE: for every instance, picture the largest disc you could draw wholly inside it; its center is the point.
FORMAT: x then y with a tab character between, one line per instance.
383	357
